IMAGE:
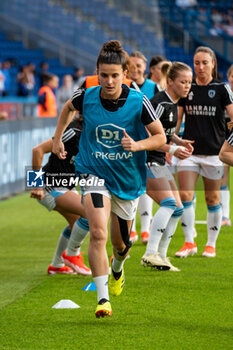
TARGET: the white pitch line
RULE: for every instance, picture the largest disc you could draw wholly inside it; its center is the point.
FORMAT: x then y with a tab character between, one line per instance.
201	222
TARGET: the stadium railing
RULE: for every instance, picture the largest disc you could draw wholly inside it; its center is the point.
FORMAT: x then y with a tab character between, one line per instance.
17	138
19	107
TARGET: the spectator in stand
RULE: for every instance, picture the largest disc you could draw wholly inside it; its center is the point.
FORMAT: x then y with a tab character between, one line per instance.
65	91
186	3
26	81
44	67
78	77
47	106
6	71
3	115
2	80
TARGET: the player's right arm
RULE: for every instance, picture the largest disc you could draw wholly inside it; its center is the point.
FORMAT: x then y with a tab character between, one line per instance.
67	114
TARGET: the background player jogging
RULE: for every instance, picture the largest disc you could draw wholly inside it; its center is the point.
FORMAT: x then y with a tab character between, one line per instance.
205	124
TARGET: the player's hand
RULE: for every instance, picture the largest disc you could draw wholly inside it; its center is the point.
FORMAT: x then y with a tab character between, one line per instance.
168	158
230	125
37	193
59	149
182	152
188	144
128	143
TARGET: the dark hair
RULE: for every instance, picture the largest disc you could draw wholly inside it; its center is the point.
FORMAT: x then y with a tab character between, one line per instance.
112	53
47	77
156	59
212	55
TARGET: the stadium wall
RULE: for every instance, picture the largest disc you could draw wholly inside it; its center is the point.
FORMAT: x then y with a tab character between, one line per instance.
17	138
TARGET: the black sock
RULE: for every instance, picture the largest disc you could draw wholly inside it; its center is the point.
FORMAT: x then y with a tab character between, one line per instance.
102	301
116	275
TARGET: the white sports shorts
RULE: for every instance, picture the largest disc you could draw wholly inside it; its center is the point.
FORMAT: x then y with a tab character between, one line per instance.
210	167
49	200
123	208
157	171
174	164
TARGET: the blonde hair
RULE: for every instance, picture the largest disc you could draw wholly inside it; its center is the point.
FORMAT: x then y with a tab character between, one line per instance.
229	71
171	70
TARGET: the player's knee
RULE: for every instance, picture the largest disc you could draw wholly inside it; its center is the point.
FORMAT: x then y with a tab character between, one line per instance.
186	196
98	236
169	202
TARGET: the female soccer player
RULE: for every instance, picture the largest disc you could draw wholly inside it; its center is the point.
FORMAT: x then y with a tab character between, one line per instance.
111	150
204	123
224	189
161	186
155	70
226	153
149	88
64	200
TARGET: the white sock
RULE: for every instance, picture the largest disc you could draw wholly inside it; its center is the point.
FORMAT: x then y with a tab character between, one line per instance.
145	211
101	283
61	246
225	201
133	228
78	234
159	224
214	217
187	221
194	201
117	265
169	232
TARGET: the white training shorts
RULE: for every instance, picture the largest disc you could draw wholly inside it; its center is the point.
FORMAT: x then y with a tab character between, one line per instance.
173	166
49	200
123	208
210	167
157	171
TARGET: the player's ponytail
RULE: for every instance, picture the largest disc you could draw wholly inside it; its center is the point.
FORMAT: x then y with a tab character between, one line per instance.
208	50
112	53
164	72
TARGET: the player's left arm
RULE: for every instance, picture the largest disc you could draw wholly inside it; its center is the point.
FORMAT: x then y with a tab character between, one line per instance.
156	140
38	153
226	153
157	136
229	109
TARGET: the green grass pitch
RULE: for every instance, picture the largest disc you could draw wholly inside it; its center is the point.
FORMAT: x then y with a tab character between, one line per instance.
191	309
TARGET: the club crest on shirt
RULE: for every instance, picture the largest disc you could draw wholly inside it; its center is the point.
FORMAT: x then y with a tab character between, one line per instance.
211	93
109	135
190	96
